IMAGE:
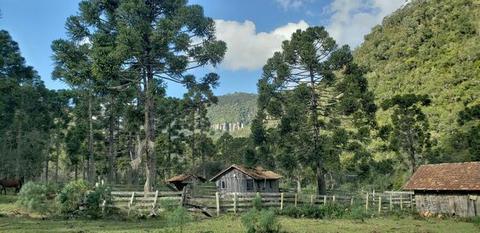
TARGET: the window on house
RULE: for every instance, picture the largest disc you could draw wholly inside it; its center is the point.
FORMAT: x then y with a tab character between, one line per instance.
249	185
270	184
223	185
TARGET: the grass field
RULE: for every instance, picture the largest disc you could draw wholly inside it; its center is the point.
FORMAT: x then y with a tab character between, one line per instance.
14	219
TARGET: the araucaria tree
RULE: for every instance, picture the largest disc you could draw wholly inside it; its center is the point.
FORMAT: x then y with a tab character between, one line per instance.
142	44
309	88
409	134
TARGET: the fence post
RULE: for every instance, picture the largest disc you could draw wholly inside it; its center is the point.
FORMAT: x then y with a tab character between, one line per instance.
235	202
401	201
333	199
104	203
391	203
324	199
217	200
311	199
366	203
281	201
155	201
130	203
296	199
411	201
351	201
379	204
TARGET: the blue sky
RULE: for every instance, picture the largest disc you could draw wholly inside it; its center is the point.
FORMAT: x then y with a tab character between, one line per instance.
253	30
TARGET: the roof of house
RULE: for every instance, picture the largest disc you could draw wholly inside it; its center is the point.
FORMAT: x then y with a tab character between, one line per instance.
257	173
183	177
446	176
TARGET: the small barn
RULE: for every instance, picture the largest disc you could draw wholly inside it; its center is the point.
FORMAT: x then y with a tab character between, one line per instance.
448	188
182	180
240	179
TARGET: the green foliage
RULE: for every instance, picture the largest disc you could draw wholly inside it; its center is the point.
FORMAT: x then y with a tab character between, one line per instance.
72	197
178	218
263	221
313	104
33	196
26	118
329	211
257	202
100	195
410	129
169	204
428	48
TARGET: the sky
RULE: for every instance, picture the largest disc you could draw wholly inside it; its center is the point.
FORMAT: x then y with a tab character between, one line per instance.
252	29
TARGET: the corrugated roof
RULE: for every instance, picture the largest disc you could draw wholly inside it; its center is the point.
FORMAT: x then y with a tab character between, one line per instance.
257	173
446	176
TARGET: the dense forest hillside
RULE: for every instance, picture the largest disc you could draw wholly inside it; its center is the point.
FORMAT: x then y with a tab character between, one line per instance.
428	47
233	113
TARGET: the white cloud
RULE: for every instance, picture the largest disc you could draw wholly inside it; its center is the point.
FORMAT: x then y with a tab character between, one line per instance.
352	19
287	4
249	49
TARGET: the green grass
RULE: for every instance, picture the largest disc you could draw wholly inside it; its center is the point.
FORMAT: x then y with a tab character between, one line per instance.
227	223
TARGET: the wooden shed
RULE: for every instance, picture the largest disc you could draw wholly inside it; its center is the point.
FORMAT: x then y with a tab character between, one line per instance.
182	180
448	188
240	179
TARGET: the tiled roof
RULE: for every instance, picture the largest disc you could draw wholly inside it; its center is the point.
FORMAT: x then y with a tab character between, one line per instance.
257	173
446	176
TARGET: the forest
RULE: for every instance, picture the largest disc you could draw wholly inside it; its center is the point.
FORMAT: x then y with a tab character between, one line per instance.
327	117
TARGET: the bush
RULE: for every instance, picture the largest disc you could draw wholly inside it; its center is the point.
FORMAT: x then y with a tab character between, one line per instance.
359	213
332	210
168	204
318	212
94	200
33	196
263	221
72	197
257	202
178	218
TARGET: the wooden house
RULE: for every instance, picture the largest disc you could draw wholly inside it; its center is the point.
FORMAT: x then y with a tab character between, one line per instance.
240	179
182	180
448	188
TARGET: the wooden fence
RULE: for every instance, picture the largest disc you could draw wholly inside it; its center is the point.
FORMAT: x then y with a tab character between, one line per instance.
239	202
206	199
144	201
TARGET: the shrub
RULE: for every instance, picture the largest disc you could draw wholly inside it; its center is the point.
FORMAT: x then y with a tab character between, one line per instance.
263	221
94	200
72	197
332	210
33	196
359	213
291	211
178	218
168	204
257	202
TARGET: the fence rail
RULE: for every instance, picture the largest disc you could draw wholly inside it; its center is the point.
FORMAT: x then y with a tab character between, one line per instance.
208	200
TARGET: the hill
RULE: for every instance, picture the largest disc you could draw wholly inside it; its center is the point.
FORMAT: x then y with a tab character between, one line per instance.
233	113
427	47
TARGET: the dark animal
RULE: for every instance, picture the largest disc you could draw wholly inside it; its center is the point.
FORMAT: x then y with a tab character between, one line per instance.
11	183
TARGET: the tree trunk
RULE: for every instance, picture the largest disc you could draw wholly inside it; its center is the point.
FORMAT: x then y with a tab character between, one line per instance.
321	186
76	171
150	160
57	160
111	162
17	156
46	168
299	184
91	163
192	146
